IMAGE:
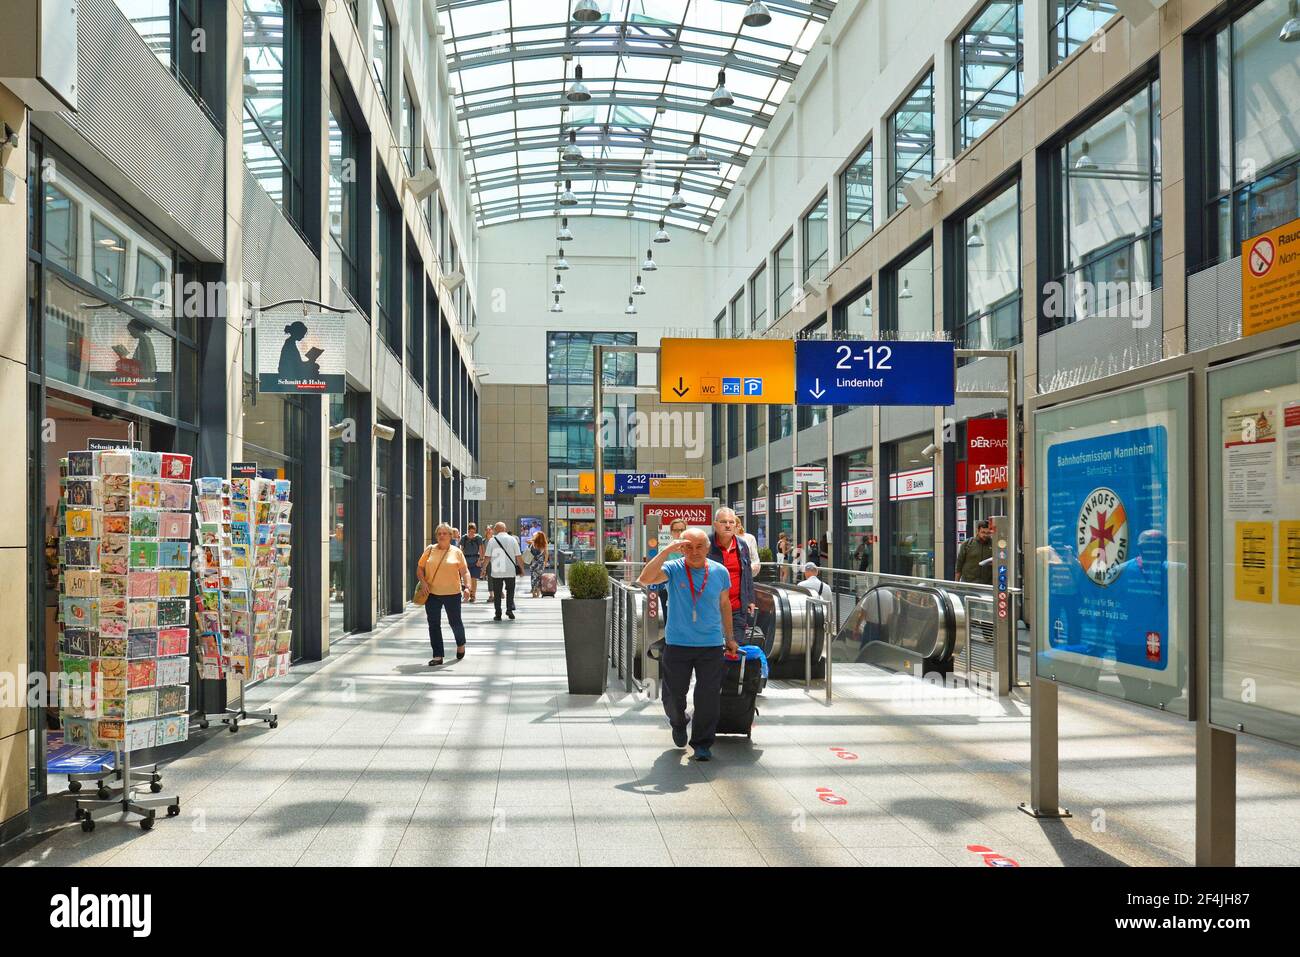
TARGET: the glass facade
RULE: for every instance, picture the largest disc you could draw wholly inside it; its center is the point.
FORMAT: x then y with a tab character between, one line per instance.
783	278
1074	23
381	43
816	241
758	308
570	428
910	504
911	300
388	284
856	201
275	128
989	256
344	200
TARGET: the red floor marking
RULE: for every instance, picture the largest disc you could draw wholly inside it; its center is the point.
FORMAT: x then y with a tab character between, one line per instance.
992	858
830	797
844	754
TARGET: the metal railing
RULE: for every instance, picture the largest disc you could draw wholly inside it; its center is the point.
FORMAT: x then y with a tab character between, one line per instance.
629	628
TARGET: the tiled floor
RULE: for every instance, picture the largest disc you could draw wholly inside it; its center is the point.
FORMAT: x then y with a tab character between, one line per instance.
380	760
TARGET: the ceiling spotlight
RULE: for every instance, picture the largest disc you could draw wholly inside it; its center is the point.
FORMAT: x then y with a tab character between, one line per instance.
558	288
631	307
721	97
662	236
757	15
697	152
638	289
571	153
555	306
675	201
567	198
1291	29
974	241
906	293
561	264
565	235
578	92
586	11
649	264
1084	162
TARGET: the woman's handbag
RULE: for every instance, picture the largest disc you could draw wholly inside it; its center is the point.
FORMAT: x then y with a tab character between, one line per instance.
421	587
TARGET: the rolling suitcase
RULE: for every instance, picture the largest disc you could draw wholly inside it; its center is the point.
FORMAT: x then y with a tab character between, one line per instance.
547	584
741	681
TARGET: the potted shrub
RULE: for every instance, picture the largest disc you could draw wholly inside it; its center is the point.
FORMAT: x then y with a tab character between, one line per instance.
614	555
583	613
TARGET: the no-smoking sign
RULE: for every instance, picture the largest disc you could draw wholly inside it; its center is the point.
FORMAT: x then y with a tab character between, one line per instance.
1261	257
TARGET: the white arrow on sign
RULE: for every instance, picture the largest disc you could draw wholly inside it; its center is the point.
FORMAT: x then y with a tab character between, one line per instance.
817	391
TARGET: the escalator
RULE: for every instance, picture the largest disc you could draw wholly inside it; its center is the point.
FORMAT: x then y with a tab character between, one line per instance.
902	627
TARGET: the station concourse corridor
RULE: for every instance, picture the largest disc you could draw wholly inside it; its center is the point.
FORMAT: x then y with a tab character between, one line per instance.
380	760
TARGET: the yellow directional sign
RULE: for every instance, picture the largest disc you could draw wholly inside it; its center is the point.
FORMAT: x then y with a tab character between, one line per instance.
744	371
587	483
677	488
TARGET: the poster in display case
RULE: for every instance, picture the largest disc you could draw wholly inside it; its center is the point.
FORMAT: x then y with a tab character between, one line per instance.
1111	538
1254	504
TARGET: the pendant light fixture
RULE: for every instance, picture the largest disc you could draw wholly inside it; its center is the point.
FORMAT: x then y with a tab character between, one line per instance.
1291	29
558	288
577	92
697	152
555	306
649	265
571	153
866	304
757	15
1084	162
662	236
561	264
567	198
676	201
250	84
906	293
631	307
586	11
974	240
721	97
638	289
565	235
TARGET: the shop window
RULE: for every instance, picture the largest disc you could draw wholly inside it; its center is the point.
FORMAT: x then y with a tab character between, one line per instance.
988	263
989	63
1074	23
715	422
910	298
756	508
856	206
855	541
910	502
911	141
1106	213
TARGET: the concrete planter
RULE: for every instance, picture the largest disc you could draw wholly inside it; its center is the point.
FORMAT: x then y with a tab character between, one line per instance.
584	644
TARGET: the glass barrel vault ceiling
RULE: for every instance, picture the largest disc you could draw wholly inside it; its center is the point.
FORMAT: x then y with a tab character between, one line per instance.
651	66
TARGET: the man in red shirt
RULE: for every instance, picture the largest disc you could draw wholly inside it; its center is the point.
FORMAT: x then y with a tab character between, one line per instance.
729	549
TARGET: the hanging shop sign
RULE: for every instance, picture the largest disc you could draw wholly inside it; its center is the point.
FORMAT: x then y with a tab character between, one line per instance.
914	483
665	513
589	511
818	497
809	475
731	371
301	353
1270	279
760	506
124	352
856	372
105	445
475	489
858	491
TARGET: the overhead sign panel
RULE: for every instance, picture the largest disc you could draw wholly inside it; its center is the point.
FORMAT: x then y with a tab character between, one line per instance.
677	488
861	372
732	371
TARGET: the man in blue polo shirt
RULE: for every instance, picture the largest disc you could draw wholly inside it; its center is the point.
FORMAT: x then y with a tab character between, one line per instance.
695	635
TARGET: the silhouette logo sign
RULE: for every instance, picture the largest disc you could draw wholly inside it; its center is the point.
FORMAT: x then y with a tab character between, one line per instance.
301	353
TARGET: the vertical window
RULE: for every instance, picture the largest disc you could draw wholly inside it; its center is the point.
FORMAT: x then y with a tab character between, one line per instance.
1105	212
911	302
344	223
108	257
856	207
910	505
911	141
736	314
168	29
1254	170
445	359
733	431
428	200
816	241
414	314
432	322
720	326
570	427
715	413
853	318
990	63
410	127
784	277
779	422
989	260
388	288
381	39
274	126
758	300
753	427
1074	23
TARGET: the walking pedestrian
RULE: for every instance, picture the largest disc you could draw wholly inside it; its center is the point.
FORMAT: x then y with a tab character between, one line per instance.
505	562
537	562
695	636
445	573
472	546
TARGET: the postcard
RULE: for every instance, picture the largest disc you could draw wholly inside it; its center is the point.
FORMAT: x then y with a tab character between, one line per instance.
112	607
144	493
175	525
173	671
82	493
76	731
141	735
174	554
142	643
173	611
113	627
76	641
116	484
144	554
117	524
142	703
173	641
114	462
175	495
172	730
117	503
106	647
176	466
142	673
80	522
142	584
173	583
81	583
80	612
173	698
144	523
146	464
81	463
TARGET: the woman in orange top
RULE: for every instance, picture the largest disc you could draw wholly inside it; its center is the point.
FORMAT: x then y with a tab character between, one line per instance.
445	573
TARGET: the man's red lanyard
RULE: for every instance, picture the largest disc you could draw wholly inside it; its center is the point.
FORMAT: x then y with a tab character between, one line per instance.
690	580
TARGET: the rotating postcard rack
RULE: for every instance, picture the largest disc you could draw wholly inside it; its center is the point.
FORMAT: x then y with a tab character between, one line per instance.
124	611
244	596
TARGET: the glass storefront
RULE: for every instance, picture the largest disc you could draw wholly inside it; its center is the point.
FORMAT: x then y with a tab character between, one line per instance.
855	548
911	509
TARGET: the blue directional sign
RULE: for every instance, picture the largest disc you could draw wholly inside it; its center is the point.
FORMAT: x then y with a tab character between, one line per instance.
634	483
859	372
